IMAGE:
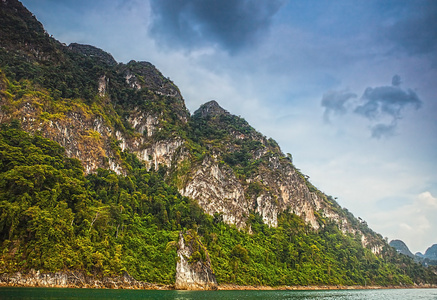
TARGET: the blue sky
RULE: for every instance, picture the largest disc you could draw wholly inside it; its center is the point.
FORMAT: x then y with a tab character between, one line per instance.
347	87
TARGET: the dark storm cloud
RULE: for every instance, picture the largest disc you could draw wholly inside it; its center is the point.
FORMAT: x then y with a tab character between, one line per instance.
334	103
387	100
376	104
228	23
417	32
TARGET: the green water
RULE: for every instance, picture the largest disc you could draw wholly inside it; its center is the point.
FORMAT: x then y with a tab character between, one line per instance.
53	293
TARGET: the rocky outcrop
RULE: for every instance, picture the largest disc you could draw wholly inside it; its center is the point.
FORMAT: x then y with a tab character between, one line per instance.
94	53
217	190
193	269
74	280
288	189
211	108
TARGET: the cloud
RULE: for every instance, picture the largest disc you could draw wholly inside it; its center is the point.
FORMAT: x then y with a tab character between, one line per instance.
334	102
230	24
387	100
376	104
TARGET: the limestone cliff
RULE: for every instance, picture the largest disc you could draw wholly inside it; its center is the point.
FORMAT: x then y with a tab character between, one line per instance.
102	111
193	269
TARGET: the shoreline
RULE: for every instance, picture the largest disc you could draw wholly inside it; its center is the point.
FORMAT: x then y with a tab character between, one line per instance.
79	280
223	287
157	287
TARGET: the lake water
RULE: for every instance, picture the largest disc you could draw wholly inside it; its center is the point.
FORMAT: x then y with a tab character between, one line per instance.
76	294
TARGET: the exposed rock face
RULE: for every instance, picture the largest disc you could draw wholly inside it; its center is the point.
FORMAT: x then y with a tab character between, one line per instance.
103	86
193	269
217	190
209	183
88	136
288	190
73	280
279	186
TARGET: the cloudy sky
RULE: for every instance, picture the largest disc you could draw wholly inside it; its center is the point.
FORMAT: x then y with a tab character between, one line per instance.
349	88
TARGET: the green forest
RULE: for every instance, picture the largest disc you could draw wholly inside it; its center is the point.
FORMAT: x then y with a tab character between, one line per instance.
54	218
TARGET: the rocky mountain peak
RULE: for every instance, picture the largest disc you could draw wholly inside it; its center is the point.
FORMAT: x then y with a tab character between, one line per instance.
21	31
143	74
210	109
94	52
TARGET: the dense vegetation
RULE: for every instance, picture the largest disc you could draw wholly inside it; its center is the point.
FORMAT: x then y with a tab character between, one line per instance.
53	218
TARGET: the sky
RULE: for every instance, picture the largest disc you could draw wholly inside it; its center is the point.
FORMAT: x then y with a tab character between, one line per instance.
348	87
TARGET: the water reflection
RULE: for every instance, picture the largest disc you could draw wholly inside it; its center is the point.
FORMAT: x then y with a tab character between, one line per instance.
76	294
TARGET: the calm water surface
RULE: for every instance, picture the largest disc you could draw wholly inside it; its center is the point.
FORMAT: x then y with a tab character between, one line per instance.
70	294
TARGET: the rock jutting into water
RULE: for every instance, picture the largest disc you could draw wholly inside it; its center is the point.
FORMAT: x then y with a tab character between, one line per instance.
193	269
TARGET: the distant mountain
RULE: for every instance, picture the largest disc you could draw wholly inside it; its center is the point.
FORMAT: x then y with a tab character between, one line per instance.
427	259
401	247
430	256
431	252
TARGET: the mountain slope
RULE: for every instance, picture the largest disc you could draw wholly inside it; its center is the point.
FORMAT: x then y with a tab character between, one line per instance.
138	168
